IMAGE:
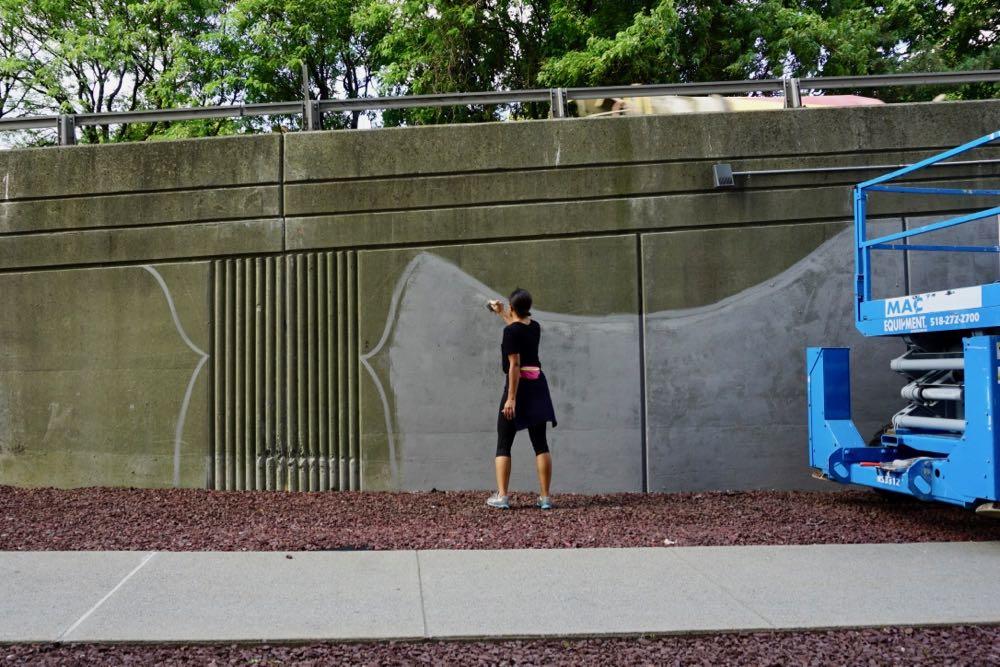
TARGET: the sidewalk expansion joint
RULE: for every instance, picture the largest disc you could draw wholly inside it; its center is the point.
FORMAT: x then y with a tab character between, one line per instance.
728	593
107	596
420	589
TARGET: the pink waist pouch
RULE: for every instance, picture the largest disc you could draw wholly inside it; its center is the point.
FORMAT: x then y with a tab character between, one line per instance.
530	375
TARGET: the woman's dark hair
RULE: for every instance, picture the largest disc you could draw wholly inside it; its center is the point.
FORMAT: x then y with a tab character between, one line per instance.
520	302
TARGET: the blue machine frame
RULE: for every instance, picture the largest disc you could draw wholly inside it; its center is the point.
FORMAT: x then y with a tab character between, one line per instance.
934	311
954	460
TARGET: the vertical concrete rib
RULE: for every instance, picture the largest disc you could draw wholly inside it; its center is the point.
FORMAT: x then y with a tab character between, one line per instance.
249	374
311	354
331	366
343	458
290	361
352	356
230	363
301	443
258	365
323	450
218	376
269	353
280	345
239	356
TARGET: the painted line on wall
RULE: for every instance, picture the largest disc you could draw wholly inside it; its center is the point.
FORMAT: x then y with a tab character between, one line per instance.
104	599
179	429
397	293
400	297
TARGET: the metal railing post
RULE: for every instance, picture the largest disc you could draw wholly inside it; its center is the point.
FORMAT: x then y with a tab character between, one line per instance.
793	94
67	130
557	98
312	118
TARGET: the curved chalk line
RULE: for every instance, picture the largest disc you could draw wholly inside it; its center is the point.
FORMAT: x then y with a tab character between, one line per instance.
179	430
478	286
397	293
782	280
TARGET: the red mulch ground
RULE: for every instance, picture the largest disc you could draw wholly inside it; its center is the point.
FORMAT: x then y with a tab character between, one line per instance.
190	520
964	645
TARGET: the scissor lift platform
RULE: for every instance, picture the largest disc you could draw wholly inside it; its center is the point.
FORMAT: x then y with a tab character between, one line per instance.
944	445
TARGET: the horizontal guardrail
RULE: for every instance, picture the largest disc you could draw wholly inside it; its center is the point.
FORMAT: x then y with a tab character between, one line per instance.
28	122
558	98
167	115
887	80
439	100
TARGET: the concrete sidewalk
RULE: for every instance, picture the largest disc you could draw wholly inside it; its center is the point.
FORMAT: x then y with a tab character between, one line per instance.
275	596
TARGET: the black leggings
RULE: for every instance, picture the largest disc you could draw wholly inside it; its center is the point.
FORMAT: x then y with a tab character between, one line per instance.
506	432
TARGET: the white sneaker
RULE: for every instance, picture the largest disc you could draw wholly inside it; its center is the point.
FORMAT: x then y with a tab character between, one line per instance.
498	501
544	502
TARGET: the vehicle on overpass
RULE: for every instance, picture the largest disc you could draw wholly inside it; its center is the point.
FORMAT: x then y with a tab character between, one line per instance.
684	104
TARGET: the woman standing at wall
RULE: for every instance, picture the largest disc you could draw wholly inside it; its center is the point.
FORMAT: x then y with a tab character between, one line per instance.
525	403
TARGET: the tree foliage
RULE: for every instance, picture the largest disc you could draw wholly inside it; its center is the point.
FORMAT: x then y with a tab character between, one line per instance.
460	45
105	55
262	44
78	56
703	40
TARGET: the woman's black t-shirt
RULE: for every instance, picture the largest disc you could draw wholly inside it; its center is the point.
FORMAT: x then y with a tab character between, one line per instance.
523	339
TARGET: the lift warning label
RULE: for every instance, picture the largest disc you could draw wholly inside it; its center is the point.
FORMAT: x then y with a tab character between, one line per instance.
910	312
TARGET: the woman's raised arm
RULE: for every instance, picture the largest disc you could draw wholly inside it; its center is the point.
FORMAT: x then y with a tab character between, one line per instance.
503	311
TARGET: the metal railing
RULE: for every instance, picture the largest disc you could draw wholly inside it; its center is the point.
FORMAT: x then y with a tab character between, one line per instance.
558	98
900	241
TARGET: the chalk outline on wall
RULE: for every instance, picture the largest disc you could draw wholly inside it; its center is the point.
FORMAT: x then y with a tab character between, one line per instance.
397	293
668	317
179	429
486	292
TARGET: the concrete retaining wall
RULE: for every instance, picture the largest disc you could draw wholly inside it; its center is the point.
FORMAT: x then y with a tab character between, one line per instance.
305	311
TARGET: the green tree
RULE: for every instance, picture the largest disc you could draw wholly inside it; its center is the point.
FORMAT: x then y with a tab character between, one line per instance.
104	55
665	41
261	45
460	46
16	56
79	56
647	48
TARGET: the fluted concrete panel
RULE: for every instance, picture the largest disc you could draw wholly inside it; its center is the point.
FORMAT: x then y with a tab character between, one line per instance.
286	400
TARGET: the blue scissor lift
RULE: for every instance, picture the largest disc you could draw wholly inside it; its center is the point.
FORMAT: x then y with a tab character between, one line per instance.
945	444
